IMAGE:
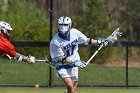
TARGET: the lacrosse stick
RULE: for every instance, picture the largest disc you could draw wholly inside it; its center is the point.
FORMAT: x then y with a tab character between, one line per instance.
45	61
9	57
113	37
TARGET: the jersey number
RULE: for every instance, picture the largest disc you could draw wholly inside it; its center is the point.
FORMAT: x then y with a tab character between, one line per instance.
70	52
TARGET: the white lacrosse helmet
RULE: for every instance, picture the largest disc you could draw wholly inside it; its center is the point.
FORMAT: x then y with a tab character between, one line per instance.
5	27
64	25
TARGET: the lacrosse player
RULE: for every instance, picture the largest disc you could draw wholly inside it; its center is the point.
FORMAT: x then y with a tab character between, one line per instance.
64	52
6	48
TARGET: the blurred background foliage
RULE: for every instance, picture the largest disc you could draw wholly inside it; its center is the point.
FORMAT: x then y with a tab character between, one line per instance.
95	18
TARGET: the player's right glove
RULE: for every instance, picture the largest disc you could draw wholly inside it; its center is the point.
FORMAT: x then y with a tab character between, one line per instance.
78	63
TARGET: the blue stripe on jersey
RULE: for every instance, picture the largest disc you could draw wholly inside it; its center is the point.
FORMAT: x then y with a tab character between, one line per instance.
72	49
72	44
64	66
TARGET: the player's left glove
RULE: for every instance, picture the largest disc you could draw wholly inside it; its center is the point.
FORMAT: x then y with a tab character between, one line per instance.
32	59
78	63
103	41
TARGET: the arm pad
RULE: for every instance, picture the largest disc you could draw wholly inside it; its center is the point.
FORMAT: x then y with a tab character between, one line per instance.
88	42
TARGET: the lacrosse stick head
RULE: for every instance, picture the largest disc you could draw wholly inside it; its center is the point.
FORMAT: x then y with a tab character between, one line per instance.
114	36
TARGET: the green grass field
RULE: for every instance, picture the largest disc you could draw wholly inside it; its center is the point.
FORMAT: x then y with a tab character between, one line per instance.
13	72
61	90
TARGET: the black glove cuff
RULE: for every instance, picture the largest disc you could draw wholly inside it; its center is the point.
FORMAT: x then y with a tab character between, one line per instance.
64	60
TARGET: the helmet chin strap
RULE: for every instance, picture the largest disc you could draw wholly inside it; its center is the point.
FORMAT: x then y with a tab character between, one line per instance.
5	32
4	35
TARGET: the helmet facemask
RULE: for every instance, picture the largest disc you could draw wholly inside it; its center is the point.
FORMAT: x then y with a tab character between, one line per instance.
64	29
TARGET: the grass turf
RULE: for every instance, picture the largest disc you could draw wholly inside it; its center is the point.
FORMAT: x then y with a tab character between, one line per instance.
61	90
13	72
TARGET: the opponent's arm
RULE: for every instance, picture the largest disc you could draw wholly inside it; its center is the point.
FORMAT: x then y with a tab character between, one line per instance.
20	57
11	53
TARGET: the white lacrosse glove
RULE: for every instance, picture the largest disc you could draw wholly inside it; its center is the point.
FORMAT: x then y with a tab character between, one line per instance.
78	63
32	59
103	41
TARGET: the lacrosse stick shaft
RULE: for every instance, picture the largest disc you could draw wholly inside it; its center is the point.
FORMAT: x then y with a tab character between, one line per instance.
94	54
41	60
45	60
115	33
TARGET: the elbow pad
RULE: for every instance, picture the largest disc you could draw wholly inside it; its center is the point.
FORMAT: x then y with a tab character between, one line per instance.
88	42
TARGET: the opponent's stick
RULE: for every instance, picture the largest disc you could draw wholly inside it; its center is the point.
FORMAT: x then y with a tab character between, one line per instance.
113	35
46	61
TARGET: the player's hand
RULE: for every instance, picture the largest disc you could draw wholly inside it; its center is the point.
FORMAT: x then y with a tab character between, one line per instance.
103	41
79	63
32	59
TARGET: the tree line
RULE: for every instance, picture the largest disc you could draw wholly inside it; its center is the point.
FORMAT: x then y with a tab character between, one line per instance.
95	18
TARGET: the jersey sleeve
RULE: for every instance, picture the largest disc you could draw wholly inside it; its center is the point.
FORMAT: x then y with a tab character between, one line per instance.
82	39
9	49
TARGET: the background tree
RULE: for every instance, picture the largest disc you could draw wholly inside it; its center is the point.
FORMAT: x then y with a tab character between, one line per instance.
95	18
